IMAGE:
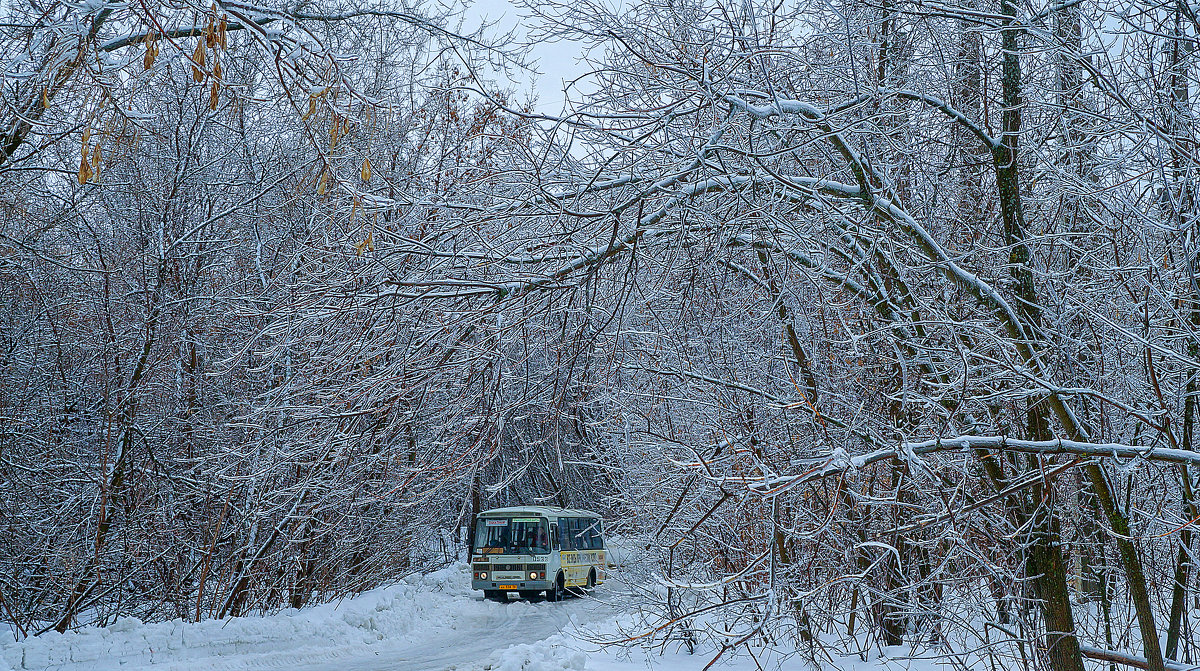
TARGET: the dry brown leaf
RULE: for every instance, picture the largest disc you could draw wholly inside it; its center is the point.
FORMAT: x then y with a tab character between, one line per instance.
366	170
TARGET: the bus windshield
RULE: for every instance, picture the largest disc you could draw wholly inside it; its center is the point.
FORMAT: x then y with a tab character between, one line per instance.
512	535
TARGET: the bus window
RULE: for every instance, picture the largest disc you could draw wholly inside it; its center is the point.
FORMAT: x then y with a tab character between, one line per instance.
578	530
492	534
564	534
595	541
516	535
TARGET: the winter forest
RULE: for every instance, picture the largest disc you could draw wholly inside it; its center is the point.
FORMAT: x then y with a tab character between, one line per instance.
863	321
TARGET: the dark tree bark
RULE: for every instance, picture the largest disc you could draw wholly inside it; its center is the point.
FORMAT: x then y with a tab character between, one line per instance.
1044	557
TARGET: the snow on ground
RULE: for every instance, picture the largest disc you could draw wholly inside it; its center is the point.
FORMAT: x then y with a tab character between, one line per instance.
431	622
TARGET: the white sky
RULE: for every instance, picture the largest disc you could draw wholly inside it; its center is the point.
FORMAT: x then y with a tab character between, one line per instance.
558	62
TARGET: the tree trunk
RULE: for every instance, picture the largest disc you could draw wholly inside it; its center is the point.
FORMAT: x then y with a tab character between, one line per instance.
1008	184
1184	204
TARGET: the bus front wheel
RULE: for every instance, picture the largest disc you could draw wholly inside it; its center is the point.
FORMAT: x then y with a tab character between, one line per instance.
556	593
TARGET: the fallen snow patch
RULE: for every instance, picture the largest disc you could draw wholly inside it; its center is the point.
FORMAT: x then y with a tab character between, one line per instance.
552	654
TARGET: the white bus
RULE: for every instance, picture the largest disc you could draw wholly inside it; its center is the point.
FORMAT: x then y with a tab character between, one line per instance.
535	549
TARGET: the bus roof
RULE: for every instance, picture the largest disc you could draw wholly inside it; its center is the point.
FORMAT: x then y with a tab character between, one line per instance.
545	511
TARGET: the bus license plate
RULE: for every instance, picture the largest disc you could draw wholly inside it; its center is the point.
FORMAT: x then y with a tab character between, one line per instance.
508	587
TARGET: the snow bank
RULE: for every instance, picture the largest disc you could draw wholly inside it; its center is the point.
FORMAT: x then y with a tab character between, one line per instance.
396	613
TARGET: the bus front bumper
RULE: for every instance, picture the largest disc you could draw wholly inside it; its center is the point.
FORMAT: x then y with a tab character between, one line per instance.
512	585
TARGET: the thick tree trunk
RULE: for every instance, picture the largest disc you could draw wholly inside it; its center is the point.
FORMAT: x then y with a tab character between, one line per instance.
1044	557
1007	178
1184	206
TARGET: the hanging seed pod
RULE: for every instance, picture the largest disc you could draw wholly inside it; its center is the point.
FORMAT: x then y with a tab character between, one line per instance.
221	32
96	160
214	95
85	171
45	99
323	183
210	33
87	135
366	170
198	63
151	52
216	71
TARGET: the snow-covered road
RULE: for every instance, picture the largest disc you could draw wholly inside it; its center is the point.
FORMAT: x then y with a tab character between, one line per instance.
498	633
431	622
426	623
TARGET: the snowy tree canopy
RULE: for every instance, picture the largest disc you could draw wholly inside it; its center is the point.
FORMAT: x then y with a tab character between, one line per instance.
876	321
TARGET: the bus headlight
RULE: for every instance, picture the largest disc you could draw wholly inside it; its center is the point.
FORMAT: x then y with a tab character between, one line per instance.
533	575
483	575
